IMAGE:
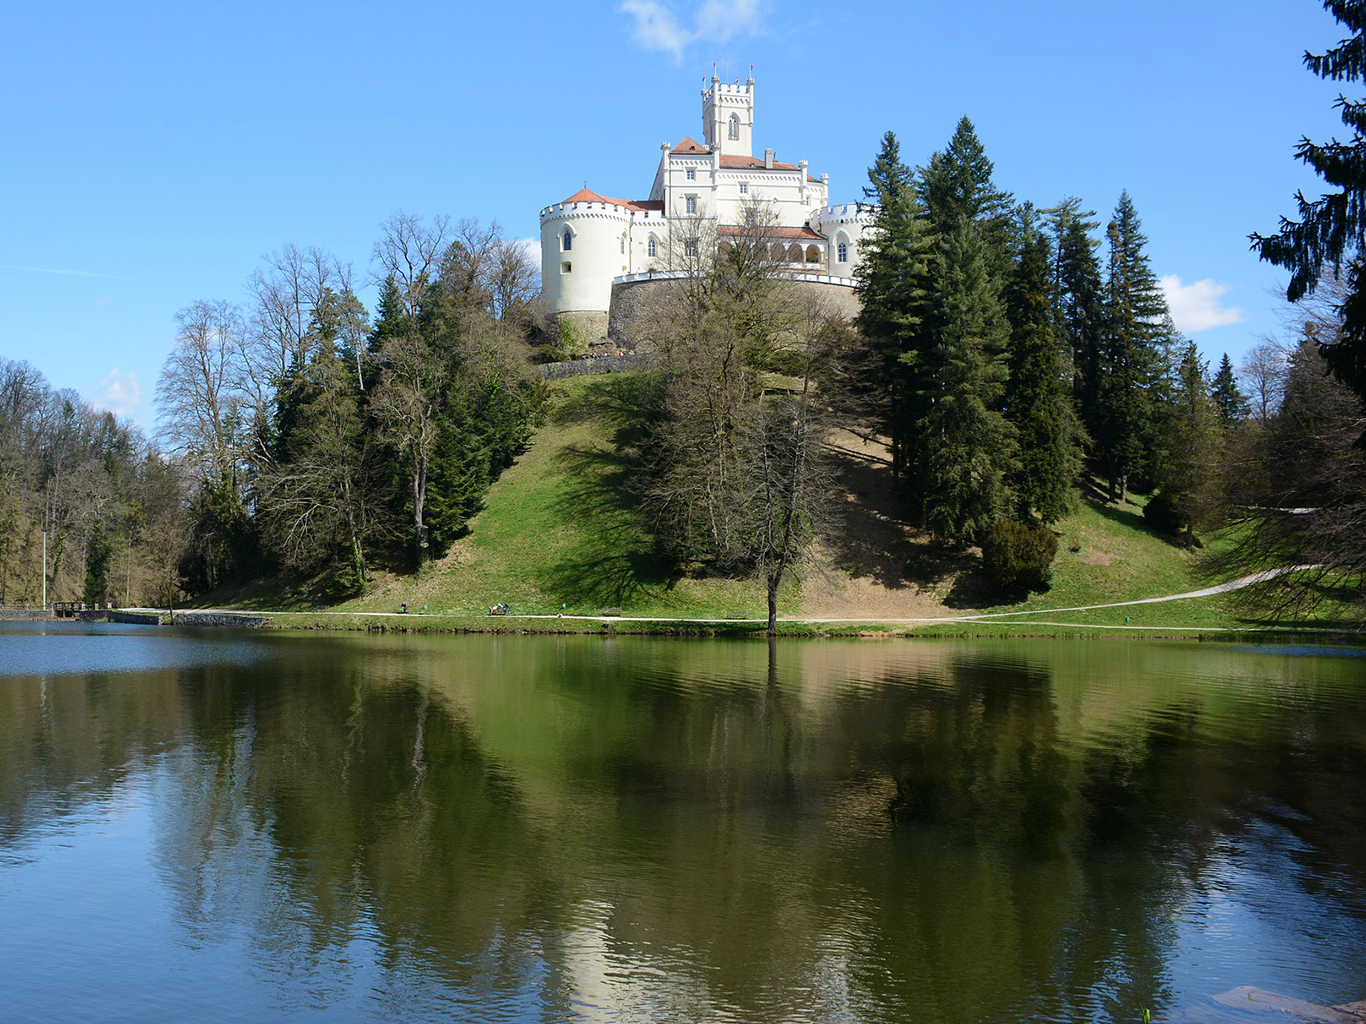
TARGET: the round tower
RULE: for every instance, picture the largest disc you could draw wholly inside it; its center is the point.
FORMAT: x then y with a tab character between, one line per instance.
844	227
585	242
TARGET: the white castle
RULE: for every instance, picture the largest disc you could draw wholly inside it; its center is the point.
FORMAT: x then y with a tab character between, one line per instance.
595	248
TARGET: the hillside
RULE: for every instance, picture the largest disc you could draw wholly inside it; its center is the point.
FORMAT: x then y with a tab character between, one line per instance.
560	531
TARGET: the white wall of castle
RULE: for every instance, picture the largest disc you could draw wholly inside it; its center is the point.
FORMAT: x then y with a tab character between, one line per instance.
612	240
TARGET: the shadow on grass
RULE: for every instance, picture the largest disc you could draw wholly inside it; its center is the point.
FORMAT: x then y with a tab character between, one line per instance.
623	400
869	539
616	563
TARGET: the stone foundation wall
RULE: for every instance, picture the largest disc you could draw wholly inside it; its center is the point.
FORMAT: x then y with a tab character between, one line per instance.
589	324
636	304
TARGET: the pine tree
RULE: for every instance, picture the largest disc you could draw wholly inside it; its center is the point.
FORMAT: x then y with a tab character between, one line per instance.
893	287
1135	315
1190	475
967	447
957	186
1080	305
1228	399
1331	230
1038	401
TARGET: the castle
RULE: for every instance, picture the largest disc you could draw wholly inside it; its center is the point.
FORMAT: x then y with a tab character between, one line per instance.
599	254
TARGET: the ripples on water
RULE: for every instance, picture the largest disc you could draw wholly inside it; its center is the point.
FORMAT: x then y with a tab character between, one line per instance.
237	826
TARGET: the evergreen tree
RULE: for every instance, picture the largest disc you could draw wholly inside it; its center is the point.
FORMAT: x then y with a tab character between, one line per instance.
1332	229
967	447
1135	331
1080	305
893	288
97	555
1228	399
1190	475
957	187
1038	402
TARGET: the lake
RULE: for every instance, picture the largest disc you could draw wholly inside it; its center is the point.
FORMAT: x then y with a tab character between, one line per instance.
222	825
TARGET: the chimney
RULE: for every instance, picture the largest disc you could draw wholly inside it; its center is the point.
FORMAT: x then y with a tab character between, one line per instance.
768	159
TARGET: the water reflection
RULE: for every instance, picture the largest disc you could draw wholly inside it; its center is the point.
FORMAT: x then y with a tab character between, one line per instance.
579	828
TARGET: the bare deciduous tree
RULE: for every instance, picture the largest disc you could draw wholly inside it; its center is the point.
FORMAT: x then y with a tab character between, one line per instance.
202	394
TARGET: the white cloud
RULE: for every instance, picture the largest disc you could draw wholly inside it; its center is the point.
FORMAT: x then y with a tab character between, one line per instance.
658	27
120	392
68	273
531	249
1195	307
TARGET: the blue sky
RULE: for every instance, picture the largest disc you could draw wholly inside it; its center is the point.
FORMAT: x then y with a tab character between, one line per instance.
153	153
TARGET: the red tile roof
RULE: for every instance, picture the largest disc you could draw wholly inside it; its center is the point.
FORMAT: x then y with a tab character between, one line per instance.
587	195
689	147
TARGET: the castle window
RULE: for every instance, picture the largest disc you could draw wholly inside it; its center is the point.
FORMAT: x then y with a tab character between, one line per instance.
567	241
794	254
734	126
690	204
751	217
623	244
691	172
566	267
842	251
689	247
744	188
813	254
651	246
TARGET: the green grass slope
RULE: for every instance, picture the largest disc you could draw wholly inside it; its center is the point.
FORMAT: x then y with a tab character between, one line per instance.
561	530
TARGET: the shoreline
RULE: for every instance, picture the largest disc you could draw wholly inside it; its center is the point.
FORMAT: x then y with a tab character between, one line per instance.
940	628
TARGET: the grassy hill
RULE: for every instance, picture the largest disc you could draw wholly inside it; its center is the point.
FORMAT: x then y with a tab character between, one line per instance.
561	531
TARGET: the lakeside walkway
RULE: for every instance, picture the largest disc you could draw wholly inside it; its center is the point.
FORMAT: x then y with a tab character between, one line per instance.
1019	617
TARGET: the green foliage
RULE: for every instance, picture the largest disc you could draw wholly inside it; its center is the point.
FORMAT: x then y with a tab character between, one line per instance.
572	341
97	555
1015	554
1161	514
1331	229
1079	305
893	278
1038	402
1190	473
967	447
1230	402
1135	331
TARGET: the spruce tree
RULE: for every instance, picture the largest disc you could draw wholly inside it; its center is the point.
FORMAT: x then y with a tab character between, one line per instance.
1135	317
1038	401
1228	399
967	447
1190	475
1080	305
893	287
1331	230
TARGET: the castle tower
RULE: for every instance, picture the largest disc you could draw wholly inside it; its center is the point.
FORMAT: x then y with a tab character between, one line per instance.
728	117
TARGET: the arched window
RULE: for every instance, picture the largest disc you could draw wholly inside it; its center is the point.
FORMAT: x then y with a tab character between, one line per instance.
813	255
734	126
842	249
651	247
794	254
567	241
623	243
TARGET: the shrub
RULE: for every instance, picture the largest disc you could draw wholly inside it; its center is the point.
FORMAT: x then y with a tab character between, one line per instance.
1017	554
1162	514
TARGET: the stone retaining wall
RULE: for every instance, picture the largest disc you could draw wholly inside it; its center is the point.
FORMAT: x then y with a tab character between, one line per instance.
636	306
602	364
219	619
